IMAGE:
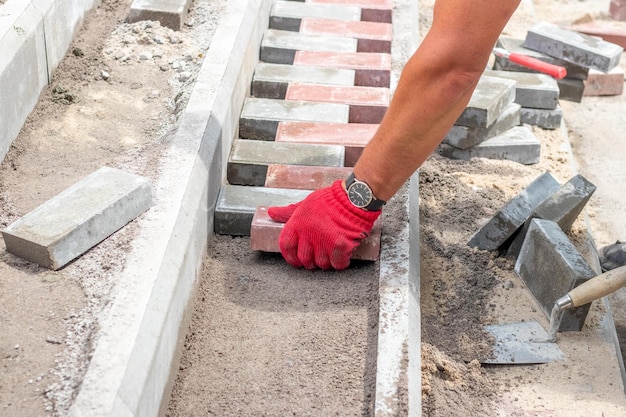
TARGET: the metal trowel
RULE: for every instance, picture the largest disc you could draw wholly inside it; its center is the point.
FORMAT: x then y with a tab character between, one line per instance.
528	343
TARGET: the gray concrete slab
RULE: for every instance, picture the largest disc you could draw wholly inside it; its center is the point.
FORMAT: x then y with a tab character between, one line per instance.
572	46
170	13
236	205
546	119
562	207
287	15
249	159
514	213
491	96
78	218
464	137
517	144
260	117
537	91
272	80
515	45
571	89
551	266
280	46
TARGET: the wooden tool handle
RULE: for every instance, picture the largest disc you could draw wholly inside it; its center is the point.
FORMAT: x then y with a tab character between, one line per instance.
598	287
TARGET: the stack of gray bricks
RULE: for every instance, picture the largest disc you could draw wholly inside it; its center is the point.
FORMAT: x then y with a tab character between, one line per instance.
577	52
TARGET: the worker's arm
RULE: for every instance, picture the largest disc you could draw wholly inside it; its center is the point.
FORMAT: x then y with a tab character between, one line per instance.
434	88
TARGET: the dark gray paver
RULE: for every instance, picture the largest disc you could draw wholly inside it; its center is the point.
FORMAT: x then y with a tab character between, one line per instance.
572	46
513	215
249	159
236	205
562	207
546	119
287	15
537	91
571	89
280	46
551	266
464	137
78	218
491	96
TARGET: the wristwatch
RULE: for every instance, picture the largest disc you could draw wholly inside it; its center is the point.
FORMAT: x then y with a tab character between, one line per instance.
360	194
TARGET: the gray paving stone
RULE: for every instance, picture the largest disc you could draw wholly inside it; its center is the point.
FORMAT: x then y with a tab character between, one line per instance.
562	207
491	96
551	266
260	116
170	13
272	80
537	91
517	144
517	45
249	159
236	205
464	137
280	46
546	119
78	218
514	213
287	15
572	46
571	89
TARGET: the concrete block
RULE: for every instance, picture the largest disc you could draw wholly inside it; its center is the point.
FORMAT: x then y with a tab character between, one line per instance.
78	218
371	10
464	137
371	69
517	144
280	46
537	91
249	158
371	36
546	119
236	205
571	89
491	96
170	13
517	45
551	266
260	117
514	213
288	15
608	30
617	9
352	136
604	84
271	80
572	46
264	234
562	207
304	177
367	104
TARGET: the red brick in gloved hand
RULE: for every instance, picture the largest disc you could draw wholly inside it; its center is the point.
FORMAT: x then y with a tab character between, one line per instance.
322	230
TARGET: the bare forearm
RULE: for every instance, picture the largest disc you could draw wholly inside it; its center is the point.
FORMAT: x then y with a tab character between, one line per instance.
434	88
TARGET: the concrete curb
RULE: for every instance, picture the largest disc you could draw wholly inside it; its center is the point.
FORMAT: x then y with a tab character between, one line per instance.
34	36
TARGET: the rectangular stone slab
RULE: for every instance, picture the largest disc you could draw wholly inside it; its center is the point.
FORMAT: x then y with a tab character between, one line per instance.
537	91
464	137
514	213
280	46
572	46
546	119
69	224
551	266
288	15
491	96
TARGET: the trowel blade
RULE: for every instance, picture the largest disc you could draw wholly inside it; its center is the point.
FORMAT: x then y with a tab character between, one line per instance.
521	343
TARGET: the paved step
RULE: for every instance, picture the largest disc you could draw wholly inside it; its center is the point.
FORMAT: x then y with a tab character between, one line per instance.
371	10
367	104
304	177
281	46
288	15
249	159
371	36
272	80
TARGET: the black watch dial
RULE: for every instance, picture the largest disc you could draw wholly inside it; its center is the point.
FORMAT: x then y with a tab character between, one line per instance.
359	194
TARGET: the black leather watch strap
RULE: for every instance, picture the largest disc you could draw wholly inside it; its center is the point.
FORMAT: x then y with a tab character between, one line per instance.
375	204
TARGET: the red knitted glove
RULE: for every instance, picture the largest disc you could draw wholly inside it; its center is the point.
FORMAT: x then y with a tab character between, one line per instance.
322	230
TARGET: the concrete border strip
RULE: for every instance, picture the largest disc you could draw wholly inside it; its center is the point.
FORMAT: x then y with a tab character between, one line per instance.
398	373
137	350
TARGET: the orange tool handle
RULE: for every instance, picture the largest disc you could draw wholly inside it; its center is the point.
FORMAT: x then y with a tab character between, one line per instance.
556	71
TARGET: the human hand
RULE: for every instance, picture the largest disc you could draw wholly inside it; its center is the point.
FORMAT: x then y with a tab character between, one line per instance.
322	230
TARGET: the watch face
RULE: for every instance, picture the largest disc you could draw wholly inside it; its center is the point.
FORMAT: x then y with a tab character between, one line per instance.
360	194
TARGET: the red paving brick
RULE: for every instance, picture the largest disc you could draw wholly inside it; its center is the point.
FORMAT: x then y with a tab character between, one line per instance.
609	30
371	10
353	136
372	69
617	9
367	104
371	36
601	84
264	234
302	177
